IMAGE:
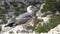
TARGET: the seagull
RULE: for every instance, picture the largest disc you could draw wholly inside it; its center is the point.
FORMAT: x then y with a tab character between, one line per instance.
23	18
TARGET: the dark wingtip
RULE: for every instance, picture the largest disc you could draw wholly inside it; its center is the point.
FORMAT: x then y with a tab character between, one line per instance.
9	25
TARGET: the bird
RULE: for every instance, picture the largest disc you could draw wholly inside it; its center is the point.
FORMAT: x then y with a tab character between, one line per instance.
23	18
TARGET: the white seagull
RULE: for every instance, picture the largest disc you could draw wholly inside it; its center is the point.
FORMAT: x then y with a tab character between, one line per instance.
23	18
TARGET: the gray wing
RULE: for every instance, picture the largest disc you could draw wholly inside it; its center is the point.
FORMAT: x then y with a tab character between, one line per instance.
23	18
25	15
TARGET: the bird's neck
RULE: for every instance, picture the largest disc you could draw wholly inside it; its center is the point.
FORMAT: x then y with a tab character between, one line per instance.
30	12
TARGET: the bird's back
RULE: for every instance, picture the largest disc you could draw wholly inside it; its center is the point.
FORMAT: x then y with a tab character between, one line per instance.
23	18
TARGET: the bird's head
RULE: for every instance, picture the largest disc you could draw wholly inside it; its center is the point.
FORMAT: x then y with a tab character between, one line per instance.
31	9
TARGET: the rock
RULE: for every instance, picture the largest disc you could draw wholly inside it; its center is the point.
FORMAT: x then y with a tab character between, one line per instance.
55	30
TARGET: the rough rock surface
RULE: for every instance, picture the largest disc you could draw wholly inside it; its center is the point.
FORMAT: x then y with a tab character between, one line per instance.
55	30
